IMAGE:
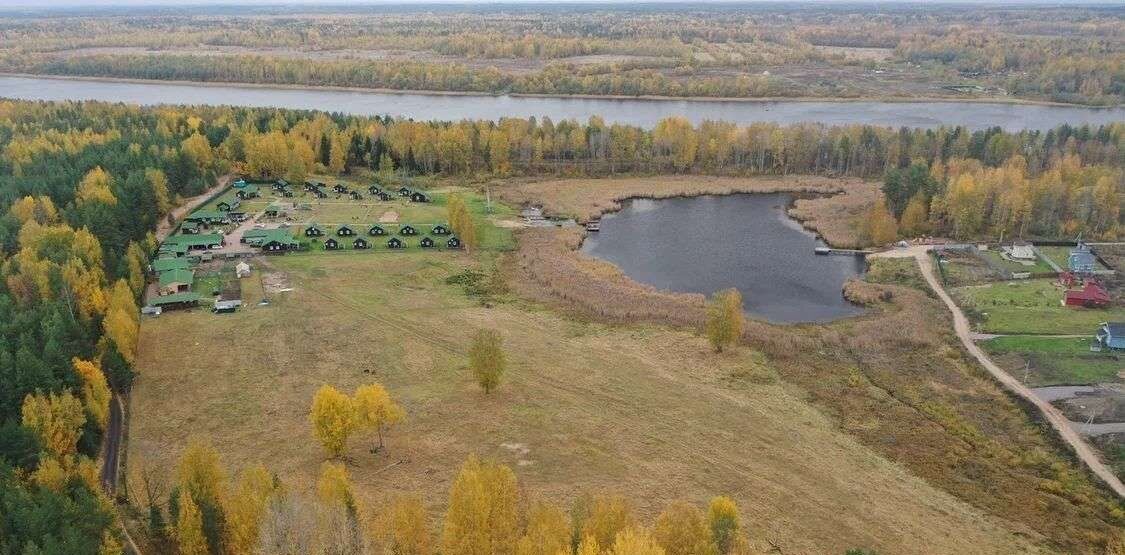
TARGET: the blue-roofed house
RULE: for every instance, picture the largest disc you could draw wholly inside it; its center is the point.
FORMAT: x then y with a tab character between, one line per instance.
1111	335
1081	259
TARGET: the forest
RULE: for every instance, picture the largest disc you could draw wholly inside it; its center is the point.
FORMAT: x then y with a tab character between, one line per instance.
86	184
853	50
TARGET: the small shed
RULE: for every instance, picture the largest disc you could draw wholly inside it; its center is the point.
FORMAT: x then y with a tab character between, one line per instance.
242	269
249	191
408	230
280	185
240	183
189	228
226	205
355	195
360	243
344	231
226	307
418	196
179	300
313	231
330	244
272	211
440	229
395	243
340	188
374	189
320	193
1111	335
404	191
384	196
287	192
453	243
1092	295
426	243
376	230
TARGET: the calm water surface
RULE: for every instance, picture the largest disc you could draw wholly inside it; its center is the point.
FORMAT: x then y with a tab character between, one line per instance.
708	243
632	111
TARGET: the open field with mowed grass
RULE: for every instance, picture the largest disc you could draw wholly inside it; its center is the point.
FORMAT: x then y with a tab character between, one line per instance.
1030	307
642	410
1054	360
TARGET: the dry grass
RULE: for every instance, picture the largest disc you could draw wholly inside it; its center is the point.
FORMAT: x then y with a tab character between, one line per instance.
644	410
834	217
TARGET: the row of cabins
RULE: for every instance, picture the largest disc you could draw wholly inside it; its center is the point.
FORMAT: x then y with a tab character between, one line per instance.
376	230
280	240
246	189
359	243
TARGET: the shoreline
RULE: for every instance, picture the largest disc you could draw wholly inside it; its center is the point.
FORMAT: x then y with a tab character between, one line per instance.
648	98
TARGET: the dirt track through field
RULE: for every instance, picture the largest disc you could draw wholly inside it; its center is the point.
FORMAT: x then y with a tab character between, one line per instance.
1058	421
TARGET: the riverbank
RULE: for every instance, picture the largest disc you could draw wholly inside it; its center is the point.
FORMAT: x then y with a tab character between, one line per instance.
653	98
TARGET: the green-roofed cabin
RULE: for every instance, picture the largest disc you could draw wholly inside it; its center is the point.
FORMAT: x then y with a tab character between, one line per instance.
272	211
376	230
330	244
178	300
360	243
395	243
440	229
426	243
249	191
418	196
175	281
239	184
408	230
344	231
189	228
453	243
374	189
313	231
165	264
226	205
404	191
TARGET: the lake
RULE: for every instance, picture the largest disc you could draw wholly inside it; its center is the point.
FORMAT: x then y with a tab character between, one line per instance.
641	112
708	243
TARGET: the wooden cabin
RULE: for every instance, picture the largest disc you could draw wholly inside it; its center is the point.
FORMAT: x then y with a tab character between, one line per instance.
355	195
287	192
1092	295
280	185
376	230
407	230
249	191
320	193
360	243
395	243
440	229
189	228
453	243
340	188
384	196
331	244
404	191
226	205
344	231
426	243
418	196
313	231
374	189
272	211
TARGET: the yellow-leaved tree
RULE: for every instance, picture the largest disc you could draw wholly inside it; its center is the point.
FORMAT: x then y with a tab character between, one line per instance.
606	517
880	227
725	524
403	529
375	410
483	515
486	359
338	529
56	418
244	509
95	187
199	149
190	539
95	390
681	529
200	474
40	210
333	419
635	541
547	533
725	319
915	218
122	320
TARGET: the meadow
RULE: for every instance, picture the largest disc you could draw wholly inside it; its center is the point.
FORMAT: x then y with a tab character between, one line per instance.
1029	307
1054	360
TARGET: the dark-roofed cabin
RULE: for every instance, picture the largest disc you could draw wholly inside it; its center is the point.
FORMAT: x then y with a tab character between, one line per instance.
384	196
311	185
418	196
426	243
279	245
395	243
408	230
313	231
376	230
361	243
226	205
287	192
330	244
404	191
355	195
189	228
272	211
249	191
280	184
453	243
344	231
440	229
320	193
340	188
178	300
374	189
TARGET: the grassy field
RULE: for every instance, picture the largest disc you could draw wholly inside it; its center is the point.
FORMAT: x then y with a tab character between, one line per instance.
1030	307
995	257
1054	360
583	407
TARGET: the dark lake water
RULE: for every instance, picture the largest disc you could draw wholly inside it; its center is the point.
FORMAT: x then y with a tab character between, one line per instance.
709	243
640	112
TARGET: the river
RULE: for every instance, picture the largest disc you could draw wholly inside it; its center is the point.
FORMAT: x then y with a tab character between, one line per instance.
642	112
707	243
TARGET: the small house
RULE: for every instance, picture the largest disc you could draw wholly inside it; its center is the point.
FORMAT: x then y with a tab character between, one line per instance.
237	216
226	205
249	191
272	211
426	243
408	230
175	281
286	192
440	229
340	188
395	243
278	241
360	243
374	189
189	228
241	270
313	231
240	183
178	300
384	196
376	230
1092	295
311	185
319	193
280	185
404	191
330	244
1081	259
226	307
355	195
1111	335
344	231
418	196
453	243
162	265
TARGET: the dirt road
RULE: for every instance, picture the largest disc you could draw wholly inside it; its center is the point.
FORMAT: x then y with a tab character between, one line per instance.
1052	415
164	228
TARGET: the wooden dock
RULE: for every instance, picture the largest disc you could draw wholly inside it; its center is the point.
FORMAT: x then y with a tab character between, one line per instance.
825	251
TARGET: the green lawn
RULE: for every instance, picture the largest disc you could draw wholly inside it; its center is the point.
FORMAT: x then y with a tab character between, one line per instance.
1029	307
1054	360
995	258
